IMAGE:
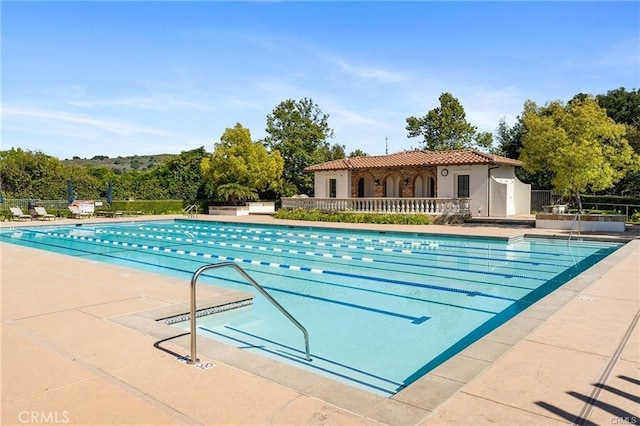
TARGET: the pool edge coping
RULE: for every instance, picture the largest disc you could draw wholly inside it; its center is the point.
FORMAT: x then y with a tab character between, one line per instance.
388	417
413	402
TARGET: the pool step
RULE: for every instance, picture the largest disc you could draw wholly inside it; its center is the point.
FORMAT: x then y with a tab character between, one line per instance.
238	337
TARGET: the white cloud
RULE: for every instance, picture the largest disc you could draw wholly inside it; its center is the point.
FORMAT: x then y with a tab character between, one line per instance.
366	72
46	117
142	102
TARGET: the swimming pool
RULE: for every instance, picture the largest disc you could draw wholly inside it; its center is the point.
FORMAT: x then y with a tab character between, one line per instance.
382	309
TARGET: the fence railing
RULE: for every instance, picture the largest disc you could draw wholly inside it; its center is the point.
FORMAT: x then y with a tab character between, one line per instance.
626	209
543	197
435	206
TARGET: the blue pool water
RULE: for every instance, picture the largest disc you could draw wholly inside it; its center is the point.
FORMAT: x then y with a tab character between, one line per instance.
382	309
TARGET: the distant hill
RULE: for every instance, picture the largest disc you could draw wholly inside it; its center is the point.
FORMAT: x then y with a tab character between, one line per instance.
122	164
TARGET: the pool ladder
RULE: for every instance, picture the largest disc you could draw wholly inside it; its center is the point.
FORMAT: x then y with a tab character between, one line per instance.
191	211
194	359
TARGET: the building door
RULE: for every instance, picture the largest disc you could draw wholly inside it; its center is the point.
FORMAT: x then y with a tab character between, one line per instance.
333	188
361	188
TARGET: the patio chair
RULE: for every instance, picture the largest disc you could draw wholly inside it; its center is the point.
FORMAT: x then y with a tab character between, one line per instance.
76	213
41	214
18	215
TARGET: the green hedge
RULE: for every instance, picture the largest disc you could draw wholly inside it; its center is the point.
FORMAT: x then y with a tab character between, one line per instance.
609	199
347	217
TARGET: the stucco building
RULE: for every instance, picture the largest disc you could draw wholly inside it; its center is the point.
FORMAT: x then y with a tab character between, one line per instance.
485	182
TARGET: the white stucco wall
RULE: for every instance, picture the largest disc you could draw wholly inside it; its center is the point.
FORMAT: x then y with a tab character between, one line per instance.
508	196
447	186
522	194
321	184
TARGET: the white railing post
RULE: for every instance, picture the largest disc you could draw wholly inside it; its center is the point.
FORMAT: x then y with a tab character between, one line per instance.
425	205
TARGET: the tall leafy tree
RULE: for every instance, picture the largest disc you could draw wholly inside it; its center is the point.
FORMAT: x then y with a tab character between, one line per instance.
358	153
299	131
509	144
31	174
182	175
140	185
446	127
623	107
577	143
238	160
332	152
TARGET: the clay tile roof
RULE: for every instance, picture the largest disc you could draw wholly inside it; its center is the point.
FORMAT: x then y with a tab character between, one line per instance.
414	158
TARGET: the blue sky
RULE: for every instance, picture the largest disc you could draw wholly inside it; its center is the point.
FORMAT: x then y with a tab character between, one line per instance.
134	78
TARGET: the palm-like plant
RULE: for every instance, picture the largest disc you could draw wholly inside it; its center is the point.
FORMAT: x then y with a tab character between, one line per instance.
234	192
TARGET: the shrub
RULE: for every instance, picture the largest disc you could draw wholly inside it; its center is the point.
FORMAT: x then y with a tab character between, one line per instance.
349	217
150	206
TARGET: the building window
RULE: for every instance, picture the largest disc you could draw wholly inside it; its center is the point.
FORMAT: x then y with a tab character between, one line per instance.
332	188
463	186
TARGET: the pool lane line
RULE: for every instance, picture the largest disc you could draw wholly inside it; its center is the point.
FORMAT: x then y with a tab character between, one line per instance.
301	361
368	240
316	236
284	266
412	319
317	357
330	256
441	253
366	248
110	254
235	246
415	320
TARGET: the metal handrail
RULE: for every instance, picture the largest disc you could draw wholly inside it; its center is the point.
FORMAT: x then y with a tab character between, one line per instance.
189	211
573	224
193	359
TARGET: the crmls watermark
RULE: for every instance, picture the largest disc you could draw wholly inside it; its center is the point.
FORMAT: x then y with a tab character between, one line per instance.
43	417
631	420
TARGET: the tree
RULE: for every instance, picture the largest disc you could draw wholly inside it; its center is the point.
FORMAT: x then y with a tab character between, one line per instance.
446	127
232	192
182	175
141	185
330	153
29	174
358	153
299	131
509	140
236	159
624	108
581	147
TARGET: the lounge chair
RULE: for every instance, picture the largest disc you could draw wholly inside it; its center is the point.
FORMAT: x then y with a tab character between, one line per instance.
18	215
41	214
76	213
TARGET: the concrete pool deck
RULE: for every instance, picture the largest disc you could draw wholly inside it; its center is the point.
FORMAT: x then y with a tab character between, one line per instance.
73	352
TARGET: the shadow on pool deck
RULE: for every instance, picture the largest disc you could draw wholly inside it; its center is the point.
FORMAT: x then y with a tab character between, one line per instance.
72	353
